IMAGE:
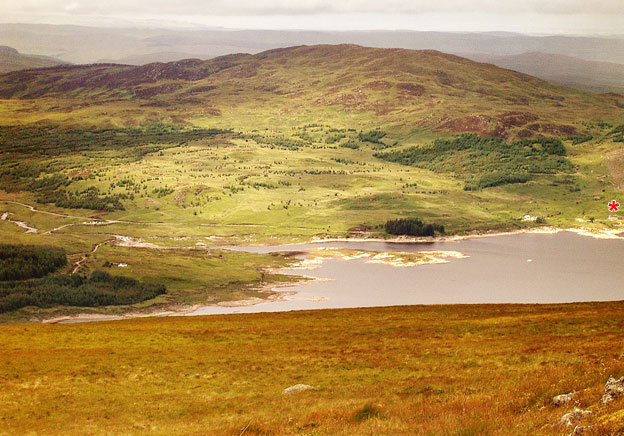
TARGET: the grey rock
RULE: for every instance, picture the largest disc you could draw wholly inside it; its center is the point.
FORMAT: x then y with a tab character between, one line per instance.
574	416
296	389
614	388
560	400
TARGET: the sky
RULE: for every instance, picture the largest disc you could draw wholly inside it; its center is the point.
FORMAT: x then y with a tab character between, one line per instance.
524	16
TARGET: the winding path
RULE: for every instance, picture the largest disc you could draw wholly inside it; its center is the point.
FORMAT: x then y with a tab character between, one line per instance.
88	220
33	209
104	222
85	256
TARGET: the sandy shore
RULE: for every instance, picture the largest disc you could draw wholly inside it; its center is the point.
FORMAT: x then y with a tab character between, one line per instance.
92	317
316	256
594	233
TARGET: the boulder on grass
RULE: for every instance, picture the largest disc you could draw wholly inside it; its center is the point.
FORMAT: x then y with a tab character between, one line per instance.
573	417
560	400
296	389
614	388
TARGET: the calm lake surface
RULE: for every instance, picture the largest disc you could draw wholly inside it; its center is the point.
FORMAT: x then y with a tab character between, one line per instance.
523	268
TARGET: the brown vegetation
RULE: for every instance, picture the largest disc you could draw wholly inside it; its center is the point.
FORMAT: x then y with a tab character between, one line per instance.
454	370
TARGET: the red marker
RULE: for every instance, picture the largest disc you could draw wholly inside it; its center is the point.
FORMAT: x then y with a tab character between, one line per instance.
614	206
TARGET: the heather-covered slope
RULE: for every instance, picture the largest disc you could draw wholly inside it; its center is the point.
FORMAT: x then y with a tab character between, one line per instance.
425	89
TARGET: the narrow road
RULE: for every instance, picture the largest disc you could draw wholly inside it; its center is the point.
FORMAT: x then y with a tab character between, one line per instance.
88	220
33	209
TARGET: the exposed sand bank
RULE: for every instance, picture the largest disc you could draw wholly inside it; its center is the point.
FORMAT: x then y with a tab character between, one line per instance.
583	231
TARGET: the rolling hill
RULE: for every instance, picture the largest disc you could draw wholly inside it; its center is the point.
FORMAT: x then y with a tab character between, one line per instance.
366	86
342	110
288	145
12	60
80	44
320	139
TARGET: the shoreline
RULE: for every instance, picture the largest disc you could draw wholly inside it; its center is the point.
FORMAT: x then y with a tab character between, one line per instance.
173	309
598	234
273	292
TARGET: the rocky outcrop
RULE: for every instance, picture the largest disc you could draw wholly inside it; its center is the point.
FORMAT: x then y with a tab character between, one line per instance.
614	388
580	429
516	119
480	124
574	417
553	129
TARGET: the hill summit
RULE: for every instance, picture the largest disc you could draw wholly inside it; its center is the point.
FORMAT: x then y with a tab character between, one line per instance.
8	51
420	88
12	60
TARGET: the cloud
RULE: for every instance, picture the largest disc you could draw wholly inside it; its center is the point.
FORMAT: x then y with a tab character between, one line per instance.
524	16
73	6
314	7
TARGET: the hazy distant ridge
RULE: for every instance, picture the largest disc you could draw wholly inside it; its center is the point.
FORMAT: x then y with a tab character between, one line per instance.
79	44
566	70
12	60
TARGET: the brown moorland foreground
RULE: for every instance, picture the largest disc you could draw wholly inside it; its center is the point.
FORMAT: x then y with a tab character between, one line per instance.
419	370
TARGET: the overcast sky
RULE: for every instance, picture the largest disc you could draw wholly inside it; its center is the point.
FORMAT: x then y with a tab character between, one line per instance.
526	16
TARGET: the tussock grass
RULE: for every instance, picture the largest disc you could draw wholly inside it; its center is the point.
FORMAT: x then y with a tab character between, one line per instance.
440	370
367	412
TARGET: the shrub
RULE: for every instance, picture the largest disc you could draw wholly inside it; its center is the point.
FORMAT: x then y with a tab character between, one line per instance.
332	139
576	140
373	136
101	289
412	227
496	179
53	140
483	161
19	262
350	144
618	129
87	199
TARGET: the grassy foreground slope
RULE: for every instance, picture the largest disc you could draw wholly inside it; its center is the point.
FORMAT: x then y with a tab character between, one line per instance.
462	370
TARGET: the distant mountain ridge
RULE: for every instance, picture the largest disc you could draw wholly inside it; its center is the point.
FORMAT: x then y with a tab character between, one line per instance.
12	60
150	58
565	70
79	44
571	62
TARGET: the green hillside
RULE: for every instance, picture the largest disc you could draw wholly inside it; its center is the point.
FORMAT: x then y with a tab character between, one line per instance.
288	145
